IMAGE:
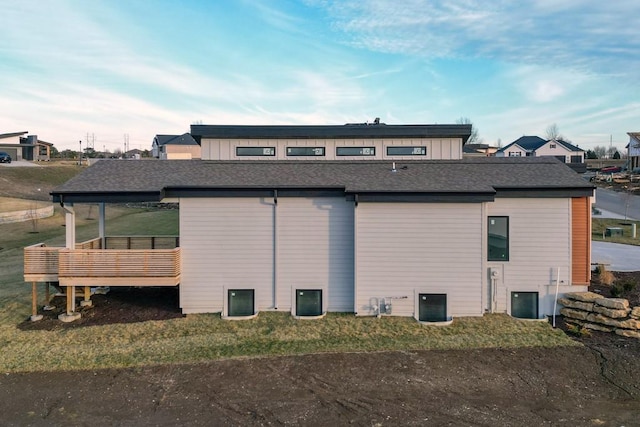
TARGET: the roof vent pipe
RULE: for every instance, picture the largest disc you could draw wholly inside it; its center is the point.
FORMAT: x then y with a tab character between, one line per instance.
393	167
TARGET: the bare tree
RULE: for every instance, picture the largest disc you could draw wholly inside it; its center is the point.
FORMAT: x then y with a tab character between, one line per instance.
600	151
475	137
552	132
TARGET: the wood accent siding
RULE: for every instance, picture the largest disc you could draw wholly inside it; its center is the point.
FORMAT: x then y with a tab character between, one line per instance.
315	250
539	244
431	248
581	241
226	243
437	148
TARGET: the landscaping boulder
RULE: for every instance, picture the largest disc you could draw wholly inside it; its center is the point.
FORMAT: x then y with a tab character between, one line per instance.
635	313
615	303
628	333
610	312
574	314
586	306
596	327
583	296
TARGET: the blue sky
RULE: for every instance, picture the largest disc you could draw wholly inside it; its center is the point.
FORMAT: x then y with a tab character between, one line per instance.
147	67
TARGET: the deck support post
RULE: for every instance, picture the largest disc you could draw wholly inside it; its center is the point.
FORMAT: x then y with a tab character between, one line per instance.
34	303
47	297
86	302
71	313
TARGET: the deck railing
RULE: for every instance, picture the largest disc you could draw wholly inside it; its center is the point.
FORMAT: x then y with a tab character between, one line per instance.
41	263
137	267
127	261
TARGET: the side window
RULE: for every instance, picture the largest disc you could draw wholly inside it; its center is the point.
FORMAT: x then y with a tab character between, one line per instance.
498	238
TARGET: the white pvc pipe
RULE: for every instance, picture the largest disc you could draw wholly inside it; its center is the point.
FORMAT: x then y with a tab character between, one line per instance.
555	301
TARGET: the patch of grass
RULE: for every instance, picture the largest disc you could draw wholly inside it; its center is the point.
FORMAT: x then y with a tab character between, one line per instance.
198	338
599	226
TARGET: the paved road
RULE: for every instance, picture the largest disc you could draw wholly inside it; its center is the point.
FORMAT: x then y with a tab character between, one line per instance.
623	204
615	256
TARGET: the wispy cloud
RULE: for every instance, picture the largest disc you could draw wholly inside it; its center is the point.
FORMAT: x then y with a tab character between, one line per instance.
587	34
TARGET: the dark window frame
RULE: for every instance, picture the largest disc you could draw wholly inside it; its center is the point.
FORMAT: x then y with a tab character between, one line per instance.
408	147
361	154
504	249
312	149
238	149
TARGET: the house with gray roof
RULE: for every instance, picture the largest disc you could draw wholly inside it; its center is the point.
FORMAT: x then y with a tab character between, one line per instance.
21	147
388	220
530	146
175	147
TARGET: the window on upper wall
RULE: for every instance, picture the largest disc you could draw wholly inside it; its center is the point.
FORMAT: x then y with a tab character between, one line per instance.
552	145
355	151
498	238
515	154
255	151
406	151
305	151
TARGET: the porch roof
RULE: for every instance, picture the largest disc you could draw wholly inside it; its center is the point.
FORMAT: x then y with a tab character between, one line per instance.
472	179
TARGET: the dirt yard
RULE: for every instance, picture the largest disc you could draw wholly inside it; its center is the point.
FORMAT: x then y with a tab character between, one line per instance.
594	385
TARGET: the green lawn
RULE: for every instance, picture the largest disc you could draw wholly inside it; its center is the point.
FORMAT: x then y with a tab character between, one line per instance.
599	226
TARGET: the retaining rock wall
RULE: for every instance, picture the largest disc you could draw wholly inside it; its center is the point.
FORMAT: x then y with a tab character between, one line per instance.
592	311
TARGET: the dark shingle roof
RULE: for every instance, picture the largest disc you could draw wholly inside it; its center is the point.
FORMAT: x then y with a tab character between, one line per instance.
532	143
184	139
486	175
569	146
529	143
334	131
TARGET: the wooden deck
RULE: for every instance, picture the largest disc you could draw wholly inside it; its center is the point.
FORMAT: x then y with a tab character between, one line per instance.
125	261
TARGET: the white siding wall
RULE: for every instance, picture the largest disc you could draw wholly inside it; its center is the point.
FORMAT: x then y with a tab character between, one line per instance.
539	244
431	248
558	150
226	242
224	149
315	250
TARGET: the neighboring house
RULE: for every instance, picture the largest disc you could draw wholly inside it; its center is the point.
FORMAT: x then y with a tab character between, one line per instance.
479	150
633	148
175	147
25	148
433	239
530	146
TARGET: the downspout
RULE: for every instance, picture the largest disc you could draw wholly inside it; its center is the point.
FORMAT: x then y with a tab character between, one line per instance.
355	255
555	301
101	225
275	249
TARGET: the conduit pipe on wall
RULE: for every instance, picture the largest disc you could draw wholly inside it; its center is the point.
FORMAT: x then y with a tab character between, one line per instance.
275	249
555	301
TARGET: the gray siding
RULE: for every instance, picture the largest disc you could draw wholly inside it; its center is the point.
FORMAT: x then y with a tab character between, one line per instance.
226	243
539	244
315	250
437	148
429	248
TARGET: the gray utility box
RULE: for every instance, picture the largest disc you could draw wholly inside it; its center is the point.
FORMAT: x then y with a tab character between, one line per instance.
613	231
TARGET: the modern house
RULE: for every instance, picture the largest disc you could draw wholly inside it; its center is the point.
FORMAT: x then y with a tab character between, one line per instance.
175	147
479	150
530	146
633	148
20	147
369	219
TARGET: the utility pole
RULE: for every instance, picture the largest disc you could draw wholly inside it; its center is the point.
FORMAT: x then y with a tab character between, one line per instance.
80	154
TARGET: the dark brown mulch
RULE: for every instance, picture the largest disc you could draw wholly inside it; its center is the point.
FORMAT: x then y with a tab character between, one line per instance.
120	305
